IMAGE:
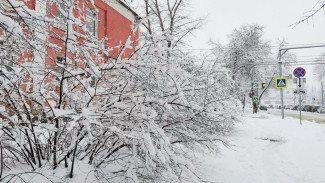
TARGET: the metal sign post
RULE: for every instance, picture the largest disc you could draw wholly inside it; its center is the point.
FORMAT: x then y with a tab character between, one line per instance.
322	93
300	99
281	90
299	72
282	51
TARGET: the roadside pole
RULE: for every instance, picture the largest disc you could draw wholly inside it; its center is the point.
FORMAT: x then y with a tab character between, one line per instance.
280	64
322	93
281	90
300	99
299	72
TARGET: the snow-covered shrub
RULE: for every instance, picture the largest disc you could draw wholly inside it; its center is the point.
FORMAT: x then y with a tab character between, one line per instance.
129	118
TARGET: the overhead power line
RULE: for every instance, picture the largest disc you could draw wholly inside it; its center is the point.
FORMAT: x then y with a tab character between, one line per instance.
289	46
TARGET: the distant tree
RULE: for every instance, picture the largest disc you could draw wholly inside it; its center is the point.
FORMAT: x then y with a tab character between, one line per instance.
320	69
245	51
167	20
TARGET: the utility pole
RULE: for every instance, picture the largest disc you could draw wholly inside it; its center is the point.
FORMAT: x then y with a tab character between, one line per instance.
255	93
281	90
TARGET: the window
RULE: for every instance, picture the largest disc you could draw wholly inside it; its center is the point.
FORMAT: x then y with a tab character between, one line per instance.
36	109
91	22
59	59
59	63
61	11
8	57
92	81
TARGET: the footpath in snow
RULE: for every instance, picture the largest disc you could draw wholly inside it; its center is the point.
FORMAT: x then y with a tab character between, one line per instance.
266	149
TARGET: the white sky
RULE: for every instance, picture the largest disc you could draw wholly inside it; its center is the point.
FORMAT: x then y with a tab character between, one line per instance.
223	16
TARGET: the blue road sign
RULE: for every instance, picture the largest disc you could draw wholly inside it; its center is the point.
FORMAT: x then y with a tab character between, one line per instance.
255	99
281	82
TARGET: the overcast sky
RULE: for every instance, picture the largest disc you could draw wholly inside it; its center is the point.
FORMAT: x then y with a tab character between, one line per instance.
223	16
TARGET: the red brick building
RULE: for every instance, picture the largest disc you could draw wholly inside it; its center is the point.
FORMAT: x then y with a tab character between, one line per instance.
107	20
111	19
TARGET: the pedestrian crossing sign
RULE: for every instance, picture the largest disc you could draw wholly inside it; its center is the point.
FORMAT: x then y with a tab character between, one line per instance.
256	99
281	82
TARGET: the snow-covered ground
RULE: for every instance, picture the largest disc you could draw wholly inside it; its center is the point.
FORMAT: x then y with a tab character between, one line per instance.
266	149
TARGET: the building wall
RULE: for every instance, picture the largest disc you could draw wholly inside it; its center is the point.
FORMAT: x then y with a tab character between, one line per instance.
114	21
116	24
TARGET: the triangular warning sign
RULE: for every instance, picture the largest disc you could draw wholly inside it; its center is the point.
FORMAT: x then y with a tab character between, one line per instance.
281	83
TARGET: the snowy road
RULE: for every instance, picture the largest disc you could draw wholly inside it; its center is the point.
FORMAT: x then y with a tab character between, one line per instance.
309	116
267	149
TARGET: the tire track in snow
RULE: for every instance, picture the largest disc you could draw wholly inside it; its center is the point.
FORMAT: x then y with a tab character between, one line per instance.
271	160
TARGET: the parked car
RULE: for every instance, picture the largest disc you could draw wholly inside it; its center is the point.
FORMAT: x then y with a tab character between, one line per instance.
295	107
302	107
271	107
288	107
315	108
310	109
307	108
264	108
321	109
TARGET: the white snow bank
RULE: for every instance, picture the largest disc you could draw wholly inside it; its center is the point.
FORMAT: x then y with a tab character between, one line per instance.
267	149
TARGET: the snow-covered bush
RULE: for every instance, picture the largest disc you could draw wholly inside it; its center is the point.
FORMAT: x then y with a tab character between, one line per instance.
129	118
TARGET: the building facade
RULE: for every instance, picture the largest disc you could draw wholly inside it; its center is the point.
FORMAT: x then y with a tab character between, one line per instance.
68	25
104	19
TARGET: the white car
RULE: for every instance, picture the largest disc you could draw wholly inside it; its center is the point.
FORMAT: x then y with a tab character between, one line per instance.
288	107
321	109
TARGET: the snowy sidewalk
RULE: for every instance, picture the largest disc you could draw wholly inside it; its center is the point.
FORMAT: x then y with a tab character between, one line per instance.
267	149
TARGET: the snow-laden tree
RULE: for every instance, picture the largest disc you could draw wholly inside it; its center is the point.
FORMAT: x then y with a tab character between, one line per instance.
244	52
124	119
320	69
249	58
167	19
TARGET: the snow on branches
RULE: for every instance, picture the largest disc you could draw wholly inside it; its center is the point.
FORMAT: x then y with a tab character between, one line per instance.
65	99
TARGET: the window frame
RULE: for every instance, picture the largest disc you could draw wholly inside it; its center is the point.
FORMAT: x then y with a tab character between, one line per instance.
92	82
59	61
60	5
93	19
10	58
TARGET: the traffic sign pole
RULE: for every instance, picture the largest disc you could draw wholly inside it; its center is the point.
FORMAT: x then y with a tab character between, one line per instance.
299	72
281	90
280	63
322	93
300	99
